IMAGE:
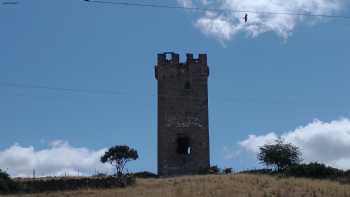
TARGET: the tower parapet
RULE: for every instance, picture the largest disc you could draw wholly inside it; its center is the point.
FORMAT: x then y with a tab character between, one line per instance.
169	65
168	58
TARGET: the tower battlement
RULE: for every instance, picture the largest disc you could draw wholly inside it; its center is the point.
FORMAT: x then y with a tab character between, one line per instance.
169	65
171	58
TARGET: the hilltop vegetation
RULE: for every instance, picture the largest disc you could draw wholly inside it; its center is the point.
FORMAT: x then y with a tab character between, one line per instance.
238	185
279	181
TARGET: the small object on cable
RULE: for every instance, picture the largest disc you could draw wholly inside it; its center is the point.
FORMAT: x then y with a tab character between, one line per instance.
246	18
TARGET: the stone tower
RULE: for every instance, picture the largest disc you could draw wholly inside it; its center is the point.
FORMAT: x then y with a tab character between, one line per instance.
183	133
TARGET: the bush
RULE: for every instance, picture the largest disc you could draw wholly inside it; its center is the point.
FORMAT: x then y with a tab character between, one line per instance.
347	173
210	170
7	185
100	175
145	175
227	170
313	170
258	171
66	184
214	170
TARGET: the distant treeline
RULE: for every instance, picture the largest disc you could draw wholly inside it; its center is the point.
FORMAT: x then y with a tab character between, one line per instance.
311	170
9	186
34	186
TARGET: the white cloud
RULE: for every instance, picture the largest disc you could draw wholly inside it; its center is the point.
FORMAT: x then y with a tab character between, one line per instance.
224	25
326	142
185	3
58	159
254	142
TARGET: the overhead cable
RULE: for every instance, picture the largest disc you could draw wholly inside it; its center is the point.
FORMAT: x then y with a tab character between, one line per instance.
166	6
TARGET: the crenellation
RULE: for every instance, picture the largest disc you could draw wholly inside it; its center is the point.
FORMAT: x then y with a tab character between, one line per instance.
202	59
189	58
161	59
173	59
169	66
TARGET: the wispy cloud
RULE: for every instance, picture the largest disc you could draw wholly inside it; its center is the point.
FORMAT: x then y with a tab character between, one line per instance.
224	25
57	159
185	3
326	142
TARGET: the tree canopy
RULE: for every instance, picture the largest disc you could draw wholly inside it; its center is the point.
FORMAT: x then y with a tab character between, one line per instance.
118	156
279	155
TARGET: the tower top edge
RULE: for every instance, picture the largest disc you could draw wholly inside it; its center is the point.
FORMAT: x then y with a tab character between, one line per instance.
167	58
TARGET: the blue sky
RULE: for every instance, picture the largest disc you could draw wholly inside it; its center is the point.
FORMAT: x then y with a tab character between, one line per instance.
257	84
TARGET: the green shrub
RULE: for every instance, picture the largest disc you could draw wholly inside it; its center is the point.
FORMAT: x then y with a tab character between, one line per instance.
7	185
145	175
211	170
69	184
347	173
259	171
214	170
100	175
227	170
313	170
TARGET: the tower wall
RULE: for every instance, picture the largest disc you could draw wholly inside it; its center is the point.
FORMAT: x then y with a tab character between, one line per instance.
183	134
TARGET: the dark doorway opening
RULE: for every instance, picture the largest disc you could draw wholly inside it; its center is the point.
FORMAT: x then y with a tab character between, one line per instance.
187	85
183	146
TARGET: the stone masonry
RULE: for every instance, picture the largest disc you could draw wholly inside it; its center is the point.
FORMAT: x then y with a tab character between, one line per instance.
183	133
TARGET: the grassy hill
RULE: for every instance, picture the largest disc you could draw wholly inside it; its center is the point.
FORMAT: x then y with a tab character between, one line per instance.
240	185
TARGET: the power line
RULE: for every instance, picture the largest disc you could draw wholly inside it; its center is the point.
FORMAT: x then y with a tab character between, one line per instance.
10	3
165	6
71	90
236	100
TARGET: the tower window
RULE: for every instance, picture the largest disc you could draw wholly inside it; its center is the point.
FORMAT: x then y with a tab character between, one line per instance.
187	85
183	146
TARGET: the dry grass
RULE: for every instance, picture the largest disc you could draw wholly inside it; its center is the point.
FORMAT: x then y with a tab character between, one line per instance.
240	185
